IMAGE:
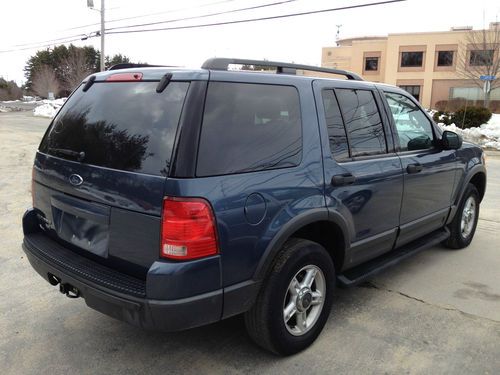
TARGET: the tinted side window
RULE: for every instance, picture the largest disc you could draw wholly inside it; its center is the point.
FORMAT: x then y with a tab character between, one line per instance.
362	121
413	127
249	127
335	126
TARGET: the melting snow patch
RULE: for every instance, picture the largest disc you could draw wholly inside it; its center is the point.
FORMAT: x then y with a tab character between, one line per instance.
487	135
49	108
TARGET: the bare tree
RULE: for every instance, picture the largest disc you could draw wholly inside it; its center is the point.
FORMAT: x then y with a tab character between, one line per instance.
75	67
480	56
45	81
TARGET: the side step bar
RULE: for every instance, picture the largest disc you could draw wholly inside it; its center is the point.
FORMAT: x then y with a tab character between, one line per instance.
369	269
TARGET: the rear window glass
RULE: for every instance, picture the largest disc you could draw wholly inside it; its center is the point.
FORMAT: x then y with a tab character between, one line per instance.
126	126
249	127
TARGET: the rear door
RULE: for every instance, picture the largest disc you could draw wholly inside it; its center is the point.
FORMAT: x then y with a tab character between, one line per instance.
363	176
101	168
429	171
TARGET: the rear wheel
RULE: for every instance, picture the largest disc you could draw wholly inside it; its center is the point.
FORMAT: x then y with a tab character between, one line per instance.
464	224
295	300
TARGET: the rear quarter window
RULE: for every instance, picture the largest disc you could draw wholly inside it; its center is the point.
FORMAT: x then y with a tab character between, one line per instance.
249	127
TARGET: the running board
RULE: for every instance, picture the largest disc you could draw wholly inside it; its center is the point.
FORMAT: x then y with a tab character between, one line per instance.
369	269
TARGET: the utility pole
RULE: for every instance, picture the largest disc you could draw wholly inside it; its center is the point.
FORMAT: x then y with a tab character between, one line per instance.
337	36
103	68
90	5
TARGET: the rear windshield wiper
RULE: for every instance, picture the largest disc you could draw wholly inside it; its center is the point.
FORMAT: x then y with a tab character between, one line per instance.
78	155
164	81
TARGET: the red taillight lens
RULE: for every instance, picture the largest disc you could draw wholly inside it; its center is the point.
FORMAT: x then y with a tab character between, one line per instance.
125	77
187	229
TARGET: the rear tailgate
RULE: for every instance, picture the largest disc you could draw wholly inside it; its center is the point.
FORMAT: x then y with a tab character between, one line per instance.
100	172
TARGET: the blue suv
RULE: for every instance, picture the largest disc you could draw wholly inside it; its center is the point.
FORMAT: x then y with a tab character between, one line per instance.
172	198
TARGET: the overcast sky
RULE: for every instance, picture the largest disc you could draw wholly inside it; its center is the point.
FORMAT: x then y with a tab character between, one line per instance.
297	39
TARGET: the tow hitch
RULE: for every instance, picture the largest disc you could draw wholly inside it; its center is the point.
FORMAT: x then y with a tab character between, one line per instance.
69	290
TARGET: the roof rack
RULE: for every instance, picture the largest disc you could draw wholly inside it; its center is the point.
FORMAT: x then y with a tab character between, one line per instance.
130	65
219	63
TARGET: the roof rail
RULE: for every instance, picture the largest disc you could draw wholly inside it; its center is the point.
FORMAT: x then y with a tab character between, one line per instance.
130	65
219	63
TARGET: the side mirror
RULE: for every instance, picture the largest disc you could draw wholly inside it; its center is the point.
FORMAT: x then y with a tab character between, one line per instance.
450	140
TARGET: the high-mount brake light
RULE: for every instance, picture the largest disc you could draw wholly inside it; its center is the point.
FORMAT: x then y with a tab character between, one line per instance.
124	77
188	229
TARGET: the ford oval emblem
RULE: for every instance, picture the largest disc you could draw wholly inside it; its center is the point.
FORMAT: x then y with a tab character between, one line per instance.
75	179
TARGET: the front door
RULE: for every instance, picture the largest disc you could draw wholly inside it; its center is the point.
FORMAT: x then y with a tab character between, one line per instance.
429	171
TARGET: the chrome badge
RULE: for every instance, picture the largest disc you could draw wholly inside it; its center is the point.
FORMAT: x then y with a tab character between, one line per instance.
75	180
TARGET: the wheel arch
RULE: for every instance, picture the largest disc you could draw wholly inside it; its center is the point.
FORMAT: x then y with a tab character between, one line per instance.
479	181
477	177
315	225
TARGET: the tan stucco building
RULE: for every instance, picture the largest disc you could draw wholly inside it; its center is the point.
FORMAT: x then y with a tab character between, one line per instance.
425	64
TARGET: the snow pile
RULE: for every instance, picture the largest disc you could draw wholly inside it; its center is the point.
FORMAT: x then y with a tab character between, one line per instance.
30	99
487	135
49	108
4	109
430	111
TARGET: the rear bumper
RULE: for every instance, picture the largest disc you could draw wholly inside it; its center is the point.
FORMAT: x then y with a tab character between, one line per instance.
118	295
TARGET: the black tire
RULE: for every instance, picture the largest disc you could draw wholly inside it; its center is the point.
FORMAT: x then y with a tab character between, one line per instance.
457	239
265	322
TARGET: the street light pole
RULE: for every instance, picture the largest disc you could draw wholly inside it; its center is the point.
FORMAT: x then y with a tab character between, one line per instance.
103	68
90	5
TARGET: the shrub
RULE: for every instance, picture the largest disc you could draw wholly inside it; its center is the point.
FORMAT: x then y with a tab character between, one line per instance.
451	105
471	117
455	104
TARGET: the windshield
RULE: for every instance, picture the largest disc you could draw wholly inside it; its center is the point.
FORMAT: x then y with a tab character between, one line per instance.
126	126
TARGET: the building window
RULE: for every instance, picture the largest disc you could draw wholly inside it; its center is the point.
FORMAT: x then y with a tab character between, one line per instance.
413	90
481	57
445	58
467	93
412	59
371	64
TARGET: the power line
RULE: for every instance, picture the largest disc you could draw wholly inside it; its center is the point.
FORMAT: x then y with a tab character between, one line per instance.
94	34
67	40
49	42
206	15
151	14
256	19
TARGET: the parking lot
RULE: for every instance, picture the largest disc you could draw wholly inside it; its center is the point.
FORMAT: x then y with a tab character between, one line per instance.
438	312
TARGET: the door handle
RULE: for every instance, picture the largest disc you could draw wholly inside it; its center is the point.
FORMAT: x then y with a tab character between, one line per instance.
343	179
414	168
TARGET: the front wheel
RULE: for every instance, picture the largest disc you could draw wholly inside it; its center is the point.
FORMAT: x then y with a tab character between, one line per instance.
464	224
295	301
